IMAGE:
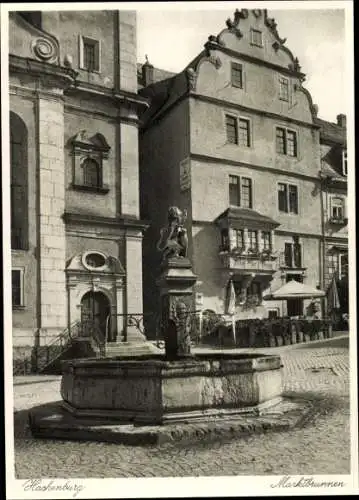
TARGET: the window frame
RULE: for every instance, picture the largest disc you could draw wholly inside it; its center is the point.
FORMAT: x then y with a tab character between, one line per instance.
99	183
285	131
239	190
334	205
288	185
293	265
83	40
235	68
236	134
21	272
282	97
253	38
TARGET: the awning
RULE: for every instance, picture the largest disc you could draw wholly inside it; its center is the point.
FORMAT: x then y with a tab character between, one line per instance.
294	290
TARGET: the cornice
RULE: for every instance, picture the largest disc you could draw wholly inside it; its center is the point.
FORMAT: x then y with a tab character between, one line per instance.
227	161
126	222
276	116
119	97
53	75
83	111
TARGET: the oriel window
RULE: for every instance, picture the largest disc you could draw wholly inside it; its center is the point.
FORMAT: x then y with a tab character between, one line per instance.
266	240
253	239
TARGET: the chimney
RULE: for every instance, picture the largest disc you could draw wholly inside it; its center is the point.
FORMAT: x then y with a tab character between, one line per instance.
147	73
342	120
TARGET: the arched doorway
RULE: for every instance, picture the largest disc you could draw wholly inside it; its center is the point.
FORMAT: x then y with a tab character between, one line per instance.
95	309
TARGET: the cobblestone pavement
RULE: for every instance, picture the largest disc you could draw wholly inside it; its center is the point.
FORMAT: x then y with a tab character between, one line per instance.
322	446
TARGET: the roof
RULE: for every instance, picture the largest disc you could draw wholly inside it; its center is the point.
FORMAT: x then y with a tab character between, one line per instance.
158	75
247	214
164	94
331	132
295	289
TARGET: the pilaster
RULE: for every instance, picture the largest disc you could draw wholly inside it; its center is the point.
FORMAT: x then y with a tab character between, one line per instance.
51	191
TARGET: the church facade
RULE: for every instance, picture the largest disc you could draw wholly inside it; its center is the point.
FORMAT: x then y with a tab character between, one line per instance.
76	232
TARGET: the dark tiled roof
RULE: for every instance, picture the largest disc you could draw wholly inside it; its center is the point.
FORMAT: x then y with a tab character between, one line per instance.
158	75
164	94
247	214
331	132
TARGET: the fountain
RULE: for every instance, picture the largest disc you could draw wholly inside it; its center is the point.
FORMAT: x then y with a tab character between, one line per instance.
177	386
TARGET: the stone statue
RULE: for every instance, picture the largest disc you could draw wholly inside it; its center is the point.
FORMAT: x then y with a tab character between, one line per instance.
173	242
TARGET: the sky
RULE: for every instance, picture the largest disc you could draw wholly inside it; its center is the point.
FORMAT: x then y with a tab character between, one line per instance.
171	39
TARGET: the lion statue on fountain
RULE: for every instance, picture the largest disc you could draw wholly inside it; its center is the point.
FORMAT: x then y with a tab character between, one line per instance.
173	242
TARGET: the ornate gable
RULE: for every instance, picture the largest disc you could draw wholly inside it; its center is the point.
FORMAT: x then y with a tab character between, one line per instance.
253	33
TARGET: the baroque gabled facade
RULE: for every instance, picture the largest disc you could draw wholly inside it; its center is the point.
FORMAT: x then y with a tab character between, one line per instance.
76	234
234	139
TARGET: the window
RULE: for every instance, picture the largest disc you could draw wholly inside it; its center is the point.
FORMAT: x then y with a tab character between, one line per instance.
273	313
240	191
345	162
266	240
337	263
19	183
244	134
92	173
252	240
89	54
256	38
236	75
246	192
280	140
293	199
224	240
232	129
284	89
343	265
337	209
238	131
17	287
254	293
286	142
292	255
287	198
239	238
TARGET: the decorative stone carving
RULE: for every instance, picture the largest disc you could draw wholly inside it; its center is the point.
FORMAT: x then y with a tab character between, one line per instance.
272	25
257	12
45	50
68	61
191	78
173	242
233	25
182	319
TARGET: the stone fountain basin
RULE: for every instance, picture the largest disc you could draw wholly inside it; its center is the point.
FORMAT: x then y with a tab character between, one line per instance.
153	390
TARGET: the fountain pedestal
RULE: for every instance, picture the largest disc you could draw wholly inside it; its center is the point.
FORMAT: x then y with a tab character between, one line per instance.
176	284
